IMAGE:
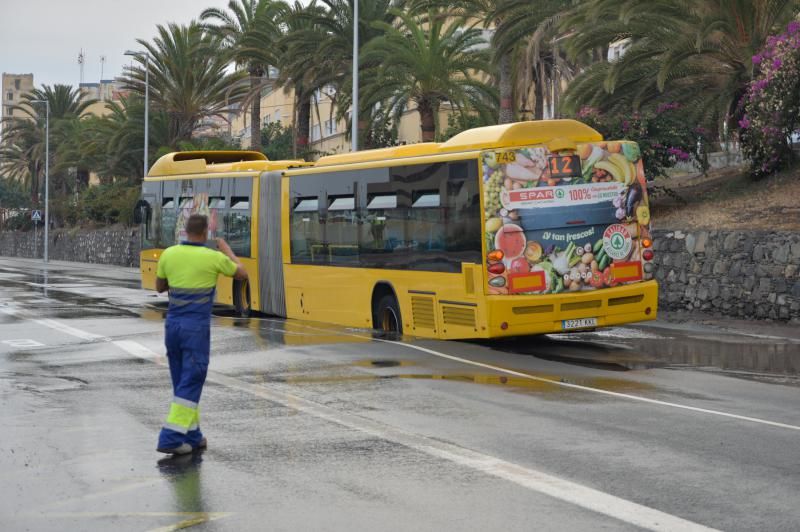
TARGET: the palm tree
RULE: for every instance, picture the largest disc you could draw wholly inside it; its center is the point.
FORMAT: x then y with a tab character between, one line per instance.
250	32
112	145
526	35
22	151
188	78
320	51
698	53
427	60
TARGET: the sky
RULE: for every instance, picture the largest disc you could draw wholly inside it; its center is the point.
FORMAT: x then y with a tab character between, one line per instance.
44	37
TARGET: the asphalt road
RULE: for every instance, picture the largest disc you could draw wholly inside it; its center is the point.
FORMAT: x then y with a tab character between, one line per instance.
664	427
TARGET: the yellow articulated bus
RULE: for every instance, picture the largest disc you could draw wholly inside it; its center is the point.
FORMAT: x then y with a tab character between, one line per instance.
509	230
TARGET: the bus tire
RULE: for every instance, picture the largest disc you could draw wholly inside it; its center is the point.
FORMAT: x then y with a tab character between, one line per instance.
241	298
387	315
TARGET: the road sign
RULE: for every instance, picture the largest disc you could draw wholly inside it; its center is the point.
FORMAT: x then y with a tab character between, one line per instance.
36	216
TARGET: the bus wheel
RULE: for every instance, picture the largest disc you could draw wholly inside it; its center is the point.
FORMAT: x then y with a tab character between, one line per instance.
241	298
387	315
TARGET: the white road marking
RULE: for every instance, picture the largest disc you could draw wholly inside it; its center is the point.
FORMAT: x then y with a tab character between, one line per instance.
591	389
558	488
58	326
23	343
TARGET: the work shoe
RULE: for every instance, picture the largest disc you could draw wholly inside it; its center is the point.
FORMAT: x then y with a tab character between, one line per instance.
183	448
203	443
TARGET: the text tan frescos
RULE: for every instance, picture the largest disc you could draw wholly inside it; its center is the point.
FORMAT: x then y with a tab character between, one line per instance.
567	221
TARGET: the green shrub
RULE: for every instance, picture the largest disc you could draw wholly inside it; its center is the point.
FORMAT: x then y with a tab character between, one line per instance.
664	135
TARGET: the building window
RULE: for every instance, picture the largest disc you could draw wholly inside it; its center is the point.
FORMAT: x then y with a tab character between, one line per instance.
330	127
277	115
9	95
16	84
267	119
316	133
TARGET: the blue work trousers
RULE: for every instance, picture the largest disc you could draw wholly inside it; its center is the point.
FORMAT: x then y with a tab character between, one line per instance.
188	344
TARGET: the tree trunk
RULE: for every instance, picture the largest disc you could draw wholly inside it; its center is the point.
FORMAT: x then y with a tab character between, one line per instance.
556	83
538	108
255	112
427	120
506	91
303	125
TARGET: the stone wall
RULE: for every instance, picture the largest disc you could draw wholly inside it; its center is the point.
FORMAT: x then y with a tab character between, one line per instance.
744	274
117	245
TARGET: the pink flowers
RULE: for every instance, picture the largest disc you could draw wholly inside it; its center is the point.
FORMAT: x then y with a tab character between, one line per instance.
679	154
744	123
771	107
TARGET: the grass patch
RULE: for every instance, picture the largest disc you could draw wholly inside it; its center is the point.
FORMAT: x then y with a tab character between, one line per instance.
730	199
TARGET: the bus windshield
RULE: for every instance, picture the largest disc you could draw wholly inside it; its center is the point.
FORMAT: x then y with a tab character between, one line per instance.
566	221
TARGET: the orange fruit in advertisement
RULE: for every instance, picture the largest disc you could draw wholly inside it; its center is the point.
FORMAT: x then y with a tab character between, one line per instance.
614	147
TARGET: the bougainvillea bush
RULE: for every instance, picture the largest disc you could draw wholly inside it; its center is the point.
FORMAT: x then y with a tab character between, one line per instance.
771	106
663	134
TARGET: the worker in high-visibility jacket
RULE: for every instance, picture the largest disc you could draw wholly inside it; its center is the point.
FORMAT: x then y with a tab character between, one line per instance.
189	271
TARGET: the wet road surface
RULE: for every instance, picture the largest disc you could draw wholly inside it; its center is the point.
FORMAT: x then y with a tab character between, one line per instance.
313	427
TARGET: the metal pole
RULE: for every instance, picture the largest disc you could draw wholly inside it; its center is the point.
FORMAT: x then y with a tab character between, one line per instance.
354	113
146	107
46	179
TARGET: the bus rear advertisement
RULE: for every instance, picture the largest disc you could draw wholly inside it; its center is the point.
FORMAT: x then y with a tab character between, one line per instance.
517	229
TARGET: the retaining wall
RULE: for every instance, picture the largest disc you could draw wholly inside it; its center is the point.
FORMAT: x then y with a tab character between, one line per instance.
744	274
118	246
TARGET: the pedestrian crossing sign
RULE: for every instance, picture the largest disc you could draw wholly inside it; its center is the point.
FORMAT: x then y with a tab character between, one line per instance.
36	216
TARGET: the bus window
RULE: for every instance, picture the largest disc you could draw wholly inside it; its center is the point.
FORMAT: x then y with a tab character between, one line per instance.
341	230
306	231
426	222
463	214
169	214
237	226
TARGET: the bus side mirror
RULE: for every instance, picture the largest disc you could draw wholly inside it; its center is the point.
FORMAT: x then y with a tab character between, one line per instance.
141	212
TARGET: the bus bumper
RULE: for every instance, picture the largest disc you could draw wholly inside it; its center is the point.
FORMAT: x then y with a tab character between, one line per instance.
539	314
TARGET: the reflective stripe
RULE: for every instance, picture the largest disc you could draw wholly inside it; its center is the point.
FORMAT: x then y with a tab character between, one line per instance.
184	402
194	427
176	428
191	291
181	415
182	302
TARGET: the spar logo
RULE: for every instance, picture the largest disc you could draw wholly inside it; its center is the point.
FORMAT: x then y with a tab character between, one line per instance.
617	241
531	194
560	193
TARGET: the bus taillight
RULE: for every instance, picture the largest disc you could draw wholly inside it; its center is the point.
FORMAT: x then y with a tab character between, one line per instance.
647	254
497	268
646	242
496	256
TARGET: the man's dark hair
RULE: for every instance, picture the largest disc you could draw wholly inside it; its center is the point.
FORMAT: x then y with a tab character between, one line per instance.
196	225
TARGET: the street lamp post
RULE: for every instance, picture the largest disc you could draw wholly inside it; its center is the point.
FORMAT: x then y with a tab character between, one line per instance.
46	175
146	101
354	113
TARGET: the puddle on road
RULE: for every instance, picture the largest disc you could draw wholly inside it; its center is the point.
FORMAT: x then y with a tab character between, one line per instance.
539	383
738	355
46	296
43	383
